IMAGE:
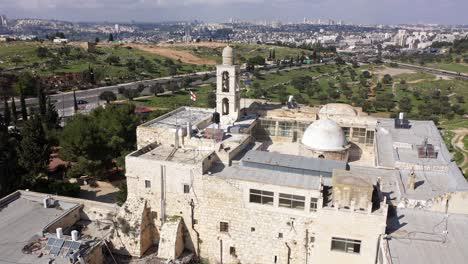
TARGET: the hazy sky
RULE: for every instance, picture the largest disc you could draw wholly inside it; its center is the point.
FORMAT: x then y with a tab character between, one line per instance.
357	11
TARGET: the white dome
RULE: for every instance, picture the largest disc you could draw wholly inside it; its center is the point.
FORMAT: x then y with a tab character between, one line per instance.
228	55
338	109
325	135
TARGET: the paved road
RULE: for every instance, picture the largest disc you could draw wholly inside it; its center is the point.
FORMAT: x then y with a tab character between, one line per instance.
64	102
431	70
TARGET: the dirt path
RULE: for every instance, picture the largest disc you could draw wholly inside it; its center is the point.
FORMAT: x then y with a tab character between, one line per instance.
184	56
457	142
162	50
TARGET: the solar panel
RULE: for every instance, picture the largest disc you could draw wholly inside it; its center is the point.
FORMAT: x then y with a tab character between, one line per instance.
65	248
75	247
50	244
51	241
55	249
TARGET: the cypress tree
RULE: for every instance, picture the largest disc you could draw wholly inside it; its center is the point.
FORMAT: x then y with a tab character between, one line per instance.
75	103
52	118
8	161
14	114
6	112
24	110
41	97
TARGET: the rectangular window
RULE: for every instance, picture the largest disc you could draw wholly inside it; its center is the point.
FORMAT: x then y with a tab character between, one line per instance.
269	127
346	245
186	188
359	134
313	204
284	129
292	201
147	184
232	251
261	197
223	227
370	138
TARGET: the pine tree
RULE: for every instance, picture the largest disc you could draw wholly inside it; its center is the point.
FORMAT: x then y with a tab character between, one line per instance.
24	111
34	150
14	114
6	112
273	55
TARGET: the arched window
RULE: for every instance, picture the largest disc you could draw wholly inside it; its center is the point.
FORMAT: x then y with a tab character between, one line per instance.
225	106
225	82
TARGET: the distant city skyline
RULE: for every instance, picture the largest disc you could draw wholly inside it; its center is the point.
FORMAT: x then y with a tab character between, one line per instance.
354	11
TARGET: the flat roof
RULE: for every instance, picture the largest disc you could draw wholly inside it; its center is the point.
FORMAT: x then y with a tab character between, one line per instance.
168	153
180	117
419	237
272	177
397	149
291	163
22	219
280	169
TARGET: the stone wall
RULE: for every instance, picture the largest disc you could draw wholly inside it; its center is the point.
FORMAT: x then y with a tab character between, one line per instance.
256	233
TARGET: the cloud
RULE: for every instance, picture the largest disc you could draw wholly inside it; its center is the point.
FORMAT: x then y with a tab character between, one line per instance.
359	11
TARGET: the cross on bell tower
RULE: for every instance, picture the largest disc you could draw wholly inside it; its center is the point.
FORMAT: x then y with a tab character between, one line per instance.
228	88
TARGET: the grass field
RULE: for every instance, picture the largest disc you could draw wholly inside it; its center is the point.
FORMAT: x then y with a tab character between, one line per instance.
178	99
24	54
455	67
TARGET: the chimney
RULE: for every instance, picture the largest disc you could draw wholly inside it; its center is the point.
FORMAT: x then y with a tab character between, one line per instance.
46	201
59	232
401	116
74	235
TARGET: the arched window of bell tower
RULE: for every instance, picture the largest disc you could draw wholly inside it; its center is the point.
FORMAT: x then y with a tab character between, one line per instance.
225	110
225	82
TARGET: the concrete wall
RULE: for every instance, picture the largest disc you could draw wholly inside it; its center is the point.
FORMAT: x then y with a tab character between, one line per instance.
69	218
454	203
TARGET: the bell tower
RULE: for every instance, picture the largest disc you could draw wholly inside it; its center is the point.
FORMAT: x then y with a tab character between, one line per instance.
228	88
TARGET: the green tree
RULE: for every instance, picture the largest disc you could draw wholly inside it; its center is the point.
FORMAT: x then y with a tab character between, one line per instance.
9	180
42	52
156	89
79	139
26	84
366	74
405	105
6	112
24	111
42	100
257	60
14	114
107	96
113	60
387	79
211	100
131	93
51	118
111	37
34	150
